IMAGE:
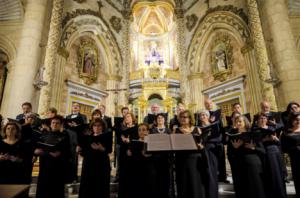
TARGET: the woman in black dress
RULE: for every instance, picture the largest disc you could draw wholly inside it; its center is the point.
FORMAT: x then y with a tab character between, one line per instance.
143	180
275	184
291	144
12	156
162	165
250	157
190	167
95	175
54	161
129	132
212	151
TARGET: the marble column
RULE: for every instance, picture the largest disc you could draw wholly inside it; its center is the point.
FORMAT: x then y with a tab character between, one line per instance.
261	54
284	51
184	90
123	96
19	87
51	55
196	96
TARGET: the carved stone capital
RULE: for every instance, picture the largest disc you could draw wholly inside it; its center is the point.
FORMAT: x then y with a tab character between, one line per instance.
196	75
63	52
114	77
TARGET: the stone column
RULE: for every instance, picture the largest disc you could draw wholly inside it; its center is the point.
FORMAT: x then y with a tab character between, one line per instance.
184	90
123	97
261	54
196	96
286	57
252	78
19	87
51	55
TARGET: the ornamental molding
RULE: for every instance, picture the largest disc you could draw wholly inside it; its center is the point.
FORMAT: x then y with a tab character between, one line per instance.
213	21
75	22
229	8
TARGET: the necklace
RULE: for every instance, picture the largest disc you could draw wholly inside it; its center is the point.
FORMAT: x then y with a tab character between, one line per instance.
161	130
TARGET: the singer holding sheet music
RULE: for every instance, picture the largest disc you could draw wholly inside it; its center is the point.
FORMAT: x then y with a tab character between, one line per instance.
213	147
190	167
95	175
161	162
129	131
249	157
12	156
275	184
54	152
291	145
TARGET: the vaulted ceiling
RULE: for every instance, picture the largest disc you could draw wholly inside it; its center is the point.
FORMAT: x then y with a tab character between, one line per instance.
11	10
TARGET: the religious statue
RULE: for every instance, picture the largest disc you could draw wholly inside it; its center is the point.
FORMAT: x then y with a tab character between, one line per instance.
221	60
221	57
153	56
89	64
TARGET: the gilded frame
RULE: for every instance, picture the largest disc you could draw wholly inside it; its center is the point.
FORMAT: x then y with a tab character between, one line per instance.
88	62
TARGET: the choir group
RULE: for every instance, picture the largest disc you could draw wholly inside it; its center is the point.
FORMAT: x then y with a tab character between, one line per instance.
254	151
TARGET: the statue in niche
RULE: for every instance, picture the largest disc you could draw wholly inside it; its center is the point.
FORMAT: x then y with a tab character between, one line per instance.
221	60
89	64
88	61
221	57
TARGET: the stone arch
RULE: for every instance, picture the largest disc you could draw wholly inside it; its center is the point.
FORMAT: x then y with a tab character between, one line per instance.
212	22
8	48
84	24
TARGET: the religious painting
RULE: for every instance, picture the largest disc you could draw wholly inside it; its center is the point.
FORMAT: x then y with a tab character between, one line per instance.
221	57
88	61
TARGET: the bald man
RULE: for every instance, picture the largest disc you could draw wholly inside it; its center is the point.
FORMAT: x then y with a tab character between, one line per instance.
274	118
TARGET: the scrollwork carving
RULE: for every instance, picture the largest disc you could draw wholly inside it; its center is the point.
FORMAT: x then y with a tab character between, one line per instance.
191	21
116	23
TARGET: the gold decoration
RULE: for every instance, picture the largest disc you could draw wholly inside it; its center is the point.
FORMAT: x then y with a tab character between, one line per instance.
221	57
88	61
172	74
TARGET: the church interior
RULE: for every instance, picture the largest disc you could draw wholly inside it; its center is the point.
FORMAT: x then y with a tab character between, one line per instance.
140	53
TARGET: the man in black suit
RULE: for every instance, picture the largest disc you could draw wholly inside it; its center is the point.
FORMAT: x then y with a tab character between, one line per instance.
118	125
274	118
73	121
27	108
174	122
215	116
107	119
